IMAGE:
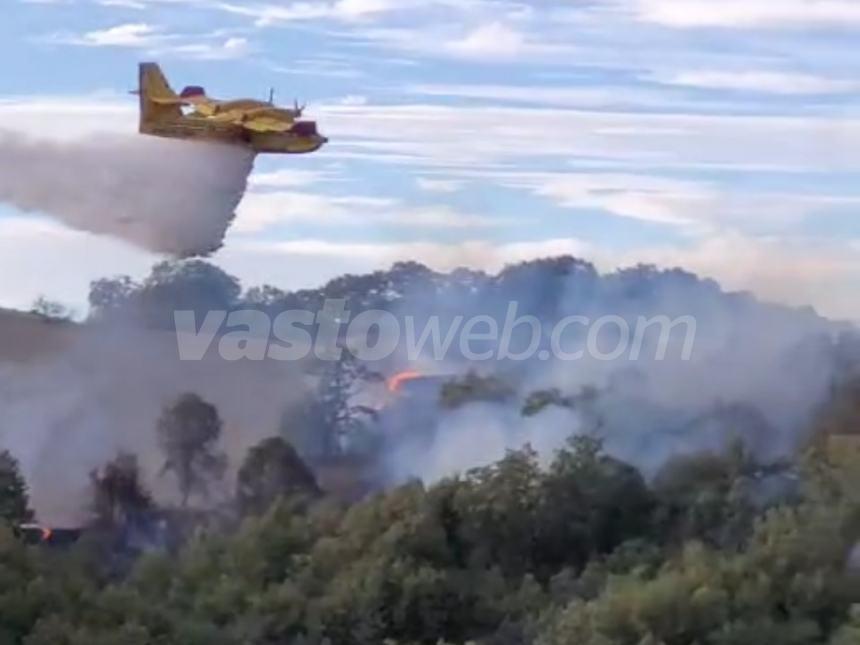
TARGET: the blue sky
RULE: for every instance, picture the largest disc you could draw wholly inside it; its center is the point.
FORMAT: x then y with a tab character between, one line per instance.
719	136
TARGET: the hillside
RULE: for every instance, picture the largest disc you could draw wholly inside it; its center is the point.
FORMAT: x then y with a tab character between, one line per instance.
26	337
553	502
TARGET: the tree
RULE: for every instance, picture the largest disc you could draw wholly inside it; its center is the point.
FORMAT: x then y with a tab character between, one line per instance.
50	310
190	285
543	286
14	503
118	493
110	296
473	388
181	285
592	503
584	403
328	421
709	497
267	298
188	432
789	585
840	414
271	470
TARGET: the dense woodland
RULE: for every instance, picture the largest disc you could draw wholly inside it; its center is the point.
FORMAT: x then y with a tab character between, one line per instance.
717	548
583	551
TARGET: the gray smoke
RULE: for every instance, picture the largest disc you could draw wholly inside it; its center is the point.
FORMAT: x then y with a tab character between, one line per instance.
757	374
171	197
69	411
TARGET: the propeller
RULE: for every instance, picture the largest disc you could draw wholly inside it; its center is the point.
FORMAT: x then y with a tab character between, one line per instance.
298	110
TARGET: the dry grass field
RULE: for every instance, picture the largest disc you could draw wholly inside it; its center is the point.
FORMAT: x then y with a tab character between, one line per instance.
25	337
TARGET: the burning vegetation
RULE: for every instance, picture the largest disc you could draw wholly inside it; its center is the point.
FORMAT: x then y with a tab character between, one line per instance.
396	382
532	502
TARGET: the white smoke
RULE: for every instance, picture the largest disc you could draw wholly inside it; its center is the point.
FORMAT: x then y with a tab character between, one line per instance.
478	435
167	196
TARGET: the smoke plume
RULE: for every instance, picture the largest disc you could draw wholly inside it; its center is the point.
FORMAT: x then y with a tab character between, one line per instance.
757	374
68	412
81	394
172	197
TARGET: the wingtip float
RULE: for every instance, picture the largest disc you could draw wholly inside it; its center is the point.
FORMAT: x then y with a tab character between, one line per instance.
259	125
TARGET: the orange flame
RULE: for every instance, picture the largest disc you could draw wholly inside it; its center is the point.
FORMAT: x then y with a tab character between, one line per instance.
396	382
47	534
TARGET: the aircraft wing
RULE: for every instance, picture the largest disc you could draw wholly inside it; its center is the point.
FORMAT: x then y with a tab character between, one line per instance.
165	100
266	124
248	120
205	108
264	119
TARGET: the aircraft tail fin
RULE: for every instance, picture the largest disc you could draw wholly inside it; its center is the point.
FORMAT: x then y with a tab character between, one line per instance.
158	101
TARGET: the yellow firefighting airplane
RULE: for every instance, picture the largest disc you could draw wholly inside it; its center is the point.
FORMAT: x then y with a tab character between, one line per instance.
259	125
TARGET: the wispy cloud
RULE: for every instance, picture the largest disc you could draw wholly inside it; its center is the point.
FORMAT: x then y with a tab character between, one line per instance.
490	41
289	178
760	81
267	14
371	256
493	39
124	4
480	136
604	96
156	41
435	185
208	49
260	211
702	207
744	14
126	35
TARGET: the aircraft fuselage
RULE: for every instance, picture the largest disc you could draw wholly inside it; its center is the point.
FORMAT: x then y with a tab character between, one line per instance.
302	140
